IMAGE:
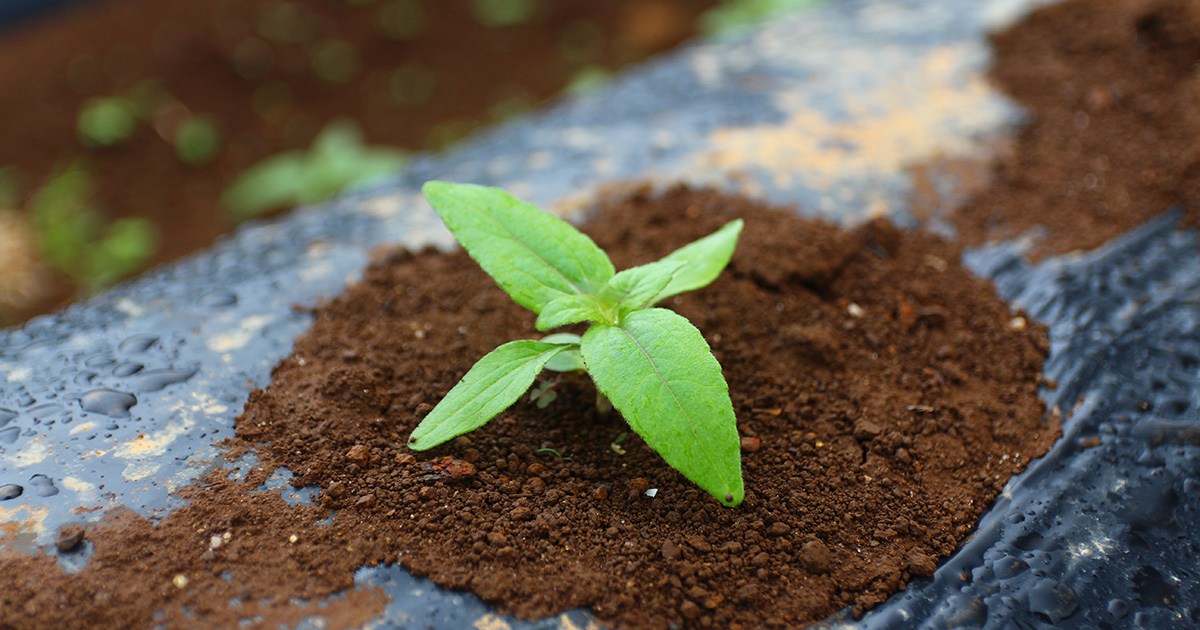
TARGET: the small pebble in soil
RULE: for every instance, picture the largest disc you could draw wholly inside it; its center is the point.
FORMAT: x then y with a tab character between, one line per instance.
639	484
359	454
815	556
447	469
751	444
69	538
670	551
180	581
600	493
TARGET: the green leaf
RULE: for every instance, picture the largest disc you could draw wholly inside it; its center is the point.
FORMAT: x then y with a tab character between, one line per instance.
568	360
703	260
197	140
634	288
534	256
570	309
107	122
269	184
489	387
659	373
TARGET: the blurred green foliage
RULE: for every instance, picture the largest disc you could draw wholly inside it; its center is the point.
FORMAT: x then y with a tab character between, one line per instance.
197	140
76	240
107	121
336	160
495	13
732	16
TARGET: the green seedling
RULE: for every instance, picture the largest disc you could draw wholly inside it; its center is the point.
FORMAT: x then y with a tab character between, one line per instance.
107	121
75	239
197	140
651	363
337	160
498	13
734	16
555	453
543	394
615	445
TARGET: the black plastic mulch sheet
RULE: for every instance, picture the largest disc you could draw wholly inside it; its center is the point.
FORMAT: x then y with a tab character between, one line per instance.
117	401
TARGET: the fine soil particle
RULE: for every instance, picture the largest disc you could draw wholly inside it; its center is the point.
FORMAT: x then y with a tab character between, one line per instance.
886	392
1113	96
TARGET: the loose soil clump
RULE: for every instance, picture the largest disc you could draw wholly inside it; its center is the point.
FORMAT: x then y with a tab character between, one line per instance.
883	393
1113	140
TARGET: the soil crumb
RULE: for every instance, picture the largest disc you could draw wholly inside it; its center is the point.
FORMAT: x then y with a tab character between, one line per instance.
1113	95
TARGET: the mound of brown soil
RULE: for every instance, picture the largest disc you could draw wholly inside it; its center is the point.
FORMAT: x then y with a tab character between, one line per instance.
883	393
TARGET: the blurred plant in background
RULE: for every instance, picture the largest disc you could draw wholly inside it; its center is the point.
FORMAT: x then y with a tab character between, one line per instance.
336	160
732	16
76	240
194	116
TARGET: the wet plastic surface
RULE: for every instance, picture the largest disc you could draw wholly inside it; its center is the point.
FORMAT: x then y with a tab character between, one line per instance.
119	400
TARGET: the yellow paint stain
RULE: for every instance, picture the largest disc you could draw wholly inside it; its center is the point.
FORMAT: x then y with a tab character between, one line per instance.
566	623
35	451
491	622
927	112
156	443
139	470
23	520
84	490
237	339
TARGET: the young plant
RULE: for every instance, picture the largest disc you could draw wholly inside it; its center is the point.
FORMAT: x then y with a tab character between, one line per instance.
337	160
652	364
76	239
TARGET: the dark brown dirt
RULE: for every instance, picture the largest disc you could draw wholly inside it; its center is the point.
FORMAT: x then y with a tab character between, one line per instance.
857	369
221	59
1113	93
885	396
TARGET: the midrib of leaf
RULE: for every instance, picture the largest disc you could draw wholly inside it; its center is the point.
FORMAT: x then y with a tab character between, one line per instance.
537	255
518	362
674	396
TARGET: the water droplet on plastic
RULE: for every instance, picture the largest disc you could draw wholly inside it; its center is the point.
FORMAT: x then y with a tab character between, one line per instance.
108	402
1118	608
1153	590
9	435
85	378
1009	566
1029	541
127	369
137	344
221	298
43	486
155	380
6	416
10	491
99	361
1052	601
